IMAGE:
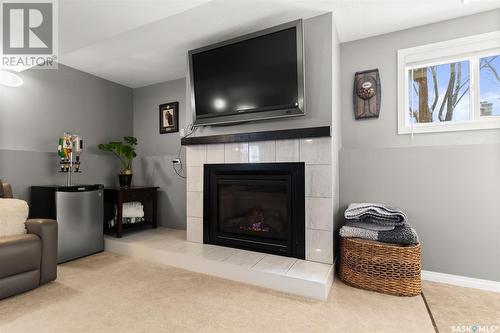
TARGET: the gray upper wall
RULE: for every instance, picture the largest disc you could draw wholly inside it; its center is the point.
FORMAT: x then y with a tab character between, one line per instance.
381	52
51	102
318	85
146	116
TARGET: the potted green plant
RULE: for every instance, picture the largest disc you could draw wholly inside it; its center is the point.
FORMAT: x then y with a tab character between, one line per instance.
125	152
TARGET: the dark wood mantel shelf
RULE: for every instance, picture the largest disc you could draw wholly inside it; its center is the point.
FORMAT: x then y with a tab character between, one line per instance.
296	133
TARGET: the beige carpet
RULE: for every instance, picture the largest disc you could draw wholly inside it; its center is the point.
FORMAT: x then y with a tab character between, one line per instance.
453	306
111	293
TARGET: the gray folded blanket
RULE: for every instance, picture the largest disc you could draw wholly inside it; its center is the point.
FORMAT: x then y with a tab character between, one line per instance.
375	213
402	234
369	226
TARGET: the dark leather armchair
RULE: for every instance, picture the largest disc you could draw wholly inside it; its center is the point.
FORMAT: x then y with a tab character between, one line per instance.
30	260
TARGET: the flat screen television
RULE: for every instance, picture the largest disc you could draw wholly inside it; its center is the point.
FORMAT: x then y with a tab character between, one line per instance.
252	77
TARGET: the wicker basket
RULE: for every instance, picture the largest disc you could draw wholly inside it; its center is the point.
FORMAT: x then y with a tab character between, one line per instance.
386	268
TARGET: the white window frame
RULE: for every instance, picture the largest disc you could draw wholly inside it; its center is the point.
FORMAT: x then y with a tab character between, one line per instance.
468	48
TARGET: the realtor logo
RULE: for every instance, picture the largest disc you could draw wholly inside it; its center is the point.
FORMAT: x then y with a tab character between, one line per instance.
29	34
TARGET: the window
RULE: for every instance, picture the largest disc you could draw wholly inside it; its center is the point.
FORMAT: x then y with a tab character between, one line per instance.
489	85
450	86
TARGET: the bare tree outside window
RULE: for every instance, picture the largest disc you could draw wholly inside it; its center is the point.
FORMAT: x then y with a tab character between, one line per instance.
440	93
489	86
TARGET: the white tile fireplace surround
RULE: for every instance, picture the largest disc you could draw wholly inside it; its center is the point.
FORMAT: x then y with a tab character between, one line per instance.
316	153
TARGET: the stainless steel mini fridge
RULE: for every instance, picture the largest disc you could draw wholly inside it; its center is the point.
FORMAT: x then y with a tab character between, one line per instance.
79	212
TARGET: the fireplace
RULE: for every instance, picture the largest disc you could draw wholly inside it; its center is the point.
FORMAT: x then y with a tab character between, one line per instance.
258	206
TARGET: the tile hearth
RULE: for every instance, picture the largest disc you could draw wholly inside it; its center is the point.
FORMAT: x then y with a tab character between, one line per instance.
170	247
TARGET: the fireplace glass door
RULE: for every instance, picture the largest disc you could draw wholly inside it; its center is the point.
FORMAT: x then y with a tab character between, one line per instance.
256	208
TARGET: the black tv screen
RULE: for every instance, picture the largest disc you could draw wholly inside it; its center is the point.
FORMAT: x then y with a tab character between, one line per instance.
252	77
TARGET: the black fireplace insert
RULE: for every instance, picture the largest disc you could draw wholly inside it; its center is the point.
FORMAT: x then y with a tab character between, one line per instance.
258	206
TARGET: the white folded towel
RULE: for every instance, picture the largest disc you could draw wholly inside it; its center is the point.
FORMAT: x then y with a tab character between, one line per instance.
132	209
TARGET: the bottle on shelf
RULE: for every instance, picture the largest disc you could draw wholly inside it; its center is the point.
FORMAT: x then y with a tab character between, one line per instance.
77	163
67	144
78	144
62	164
60	150
69	149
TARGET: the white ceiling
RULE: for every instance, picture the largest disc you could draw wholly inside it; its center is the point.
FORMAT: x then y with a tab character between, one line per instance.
142	42
85	22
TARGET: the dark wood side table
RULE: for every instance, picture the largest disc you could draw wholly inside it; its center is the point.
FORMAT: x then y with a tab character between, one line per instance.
147	195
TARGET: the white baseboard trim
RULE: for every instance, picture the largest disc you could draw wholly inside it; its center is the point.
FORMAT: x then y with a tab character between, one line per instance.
462	281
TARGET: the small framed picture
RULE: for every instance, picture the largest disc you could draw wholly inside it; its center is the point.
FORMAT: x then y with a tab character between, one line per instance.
169	118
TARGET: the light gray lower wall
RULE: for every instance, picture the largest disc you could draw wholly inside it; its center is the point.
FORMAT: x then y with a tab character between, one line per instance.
447	182
49	102
156	170
451	195
156	151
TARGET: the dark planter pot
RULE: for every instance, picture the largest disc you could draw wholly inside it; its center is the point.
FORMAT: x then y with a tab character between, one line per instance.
125	180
